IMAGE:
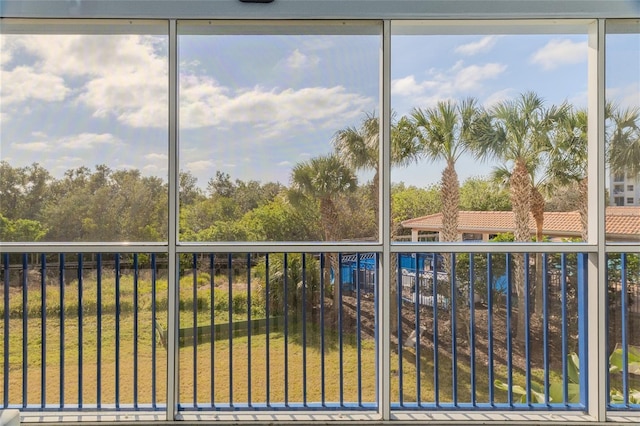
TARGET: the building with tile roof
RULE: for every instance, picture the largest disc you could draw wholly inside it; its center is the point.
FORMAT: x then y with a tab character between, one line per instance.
622	225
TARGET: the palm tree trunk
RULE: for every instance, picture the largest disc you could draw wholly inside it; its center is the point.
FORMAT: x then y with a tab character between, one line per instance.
537	211
583	207
520	185
450	197
330	221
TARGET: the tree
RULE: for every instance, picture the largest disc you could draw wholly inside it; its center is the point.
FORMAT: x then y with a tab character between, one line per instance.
445	133
517	132
359	148
568	159
623	153
481	194
323	179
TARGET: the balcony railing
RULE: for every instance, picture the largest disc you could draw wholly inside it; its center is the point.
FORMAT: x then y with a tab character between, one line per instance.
302	331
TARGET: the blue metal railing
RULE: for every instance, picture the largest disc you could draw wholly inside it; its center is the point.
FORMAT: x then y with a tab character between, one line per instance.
292	330
76	333
623	318
300	331
486	324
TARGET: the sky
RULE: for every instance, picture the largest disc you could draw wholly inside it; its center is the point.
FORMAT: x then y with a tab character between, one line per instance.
254	106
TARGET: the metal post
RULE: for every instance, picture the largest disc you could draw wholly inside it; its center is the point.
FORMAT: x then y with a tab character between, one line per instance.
384	293
174	180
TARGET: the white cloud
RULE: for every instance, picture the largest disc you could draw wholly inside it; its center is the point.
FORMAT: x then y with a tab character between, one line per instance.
88	140
499	96
559	52
447	84
24	83
299	60
32	146
408	86
155	156
483	45
119	75
200	165
625	96
205	103
471	77
284	163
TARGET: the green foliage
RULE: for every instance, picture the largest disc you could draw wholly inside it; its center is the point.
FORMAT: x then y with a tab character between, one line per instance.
556	389
480	194
25	230
410	202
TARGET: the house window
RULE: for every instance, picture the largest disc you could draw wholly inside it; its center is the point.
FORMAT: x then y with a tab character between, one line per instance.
617	189
629	187
618	177
629	200
618	201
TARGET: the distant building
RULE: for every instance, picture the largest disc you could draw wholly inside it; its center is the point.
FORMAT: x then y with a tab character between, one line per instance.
622	224
624	189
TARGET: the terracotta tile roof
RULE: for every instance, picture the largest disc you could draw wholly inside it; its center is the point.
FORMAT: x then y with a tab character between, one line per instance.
621	222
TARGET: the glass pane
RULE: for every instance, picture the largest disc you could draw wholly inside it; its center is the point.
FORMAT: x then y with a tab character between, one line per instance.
260	110
623	130
84	124
492	121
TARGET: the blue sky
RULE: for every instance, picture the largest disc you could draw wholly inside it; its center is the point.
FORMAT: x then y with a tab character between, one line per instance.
254	106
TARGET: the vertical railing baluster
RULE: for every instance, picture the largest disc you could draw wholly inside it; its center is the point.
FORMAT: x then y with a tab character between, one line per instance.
625	331
376	328
359	328
5	376
212	315
249	329
117	330
545	324
304	329
565	342
136	276
43	331
583	343
490	329
322	334
416	324
268	329
338	281
25	329
454	326
230	325
527	343
400	287
509	332
286	328
194	306
472	326
153	330
80	321
436	358
62	328
99	330
607	337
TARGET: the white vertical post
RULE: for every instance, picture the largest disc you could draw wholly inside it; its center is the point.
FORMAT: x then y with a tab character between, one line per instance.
174	193
597	293
384	221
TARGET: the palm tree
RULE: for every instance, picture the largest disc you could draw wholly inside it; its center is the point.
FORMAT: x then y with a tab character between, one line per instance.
518	133
568	159
359	148
323	179
445	133
623	153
